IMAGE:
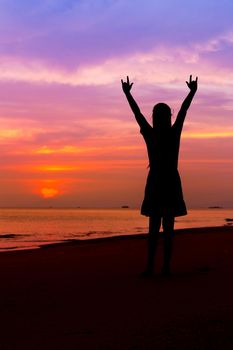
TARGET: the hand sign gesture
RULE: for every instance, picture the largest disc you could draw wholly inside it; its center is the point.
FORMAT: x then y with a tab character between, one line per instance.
126	85
192	84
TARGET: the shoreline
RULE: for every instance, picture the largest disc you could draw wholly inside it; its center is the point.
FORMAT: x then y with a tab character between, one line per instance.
71	242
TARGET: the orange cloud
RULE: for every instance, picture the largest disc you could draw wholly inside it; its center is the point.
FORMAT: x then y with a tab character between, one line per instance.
65	149
208	135
56	168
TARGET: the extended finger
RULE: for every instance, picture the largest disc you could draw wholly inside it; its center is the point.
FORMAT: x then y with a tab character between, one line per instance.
190	78
127	79
196	79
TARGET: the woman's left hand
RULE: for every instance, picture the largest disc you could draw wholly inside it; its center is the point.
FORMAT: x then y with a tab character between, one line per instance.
126	85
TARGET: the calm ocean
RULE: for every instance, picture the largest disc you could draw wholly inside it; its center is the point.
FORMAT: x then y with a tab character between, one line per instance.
30	228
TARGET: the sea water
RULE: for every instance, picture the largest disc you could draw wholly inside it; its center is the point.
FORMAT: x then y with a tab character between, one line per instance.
28	228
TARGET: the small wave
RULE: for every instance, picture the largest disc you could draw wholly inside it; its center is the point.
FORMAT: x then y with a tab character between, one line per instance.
140	229
12	235
99	233
9	248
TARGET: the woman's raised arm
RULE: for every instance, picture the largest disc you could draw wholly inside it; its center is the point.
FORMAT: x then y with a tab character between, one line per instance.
126	87
192	84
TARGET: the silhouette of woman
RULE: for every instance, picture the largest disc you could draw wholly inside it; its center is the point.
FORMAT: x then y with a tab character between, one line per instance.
163	199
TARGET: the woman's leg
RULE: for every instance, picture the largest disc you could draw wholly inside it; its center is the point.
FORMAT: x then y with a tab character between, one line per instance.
154	226
168	229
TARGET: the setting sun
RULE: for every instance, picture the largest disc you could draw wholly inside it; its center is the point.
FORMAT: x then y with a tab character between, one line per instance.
48	192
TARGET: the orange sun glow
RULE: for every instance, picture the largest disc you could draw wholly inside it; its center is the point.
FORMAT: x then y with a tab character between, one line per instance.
48	192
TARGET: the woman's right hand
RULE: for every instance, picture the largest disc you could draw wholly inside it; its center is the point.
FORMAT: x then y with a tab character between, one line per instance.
126	85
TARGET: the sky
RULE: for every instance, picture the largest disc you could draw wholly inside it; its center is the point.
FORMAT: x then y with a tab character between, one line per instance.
67	135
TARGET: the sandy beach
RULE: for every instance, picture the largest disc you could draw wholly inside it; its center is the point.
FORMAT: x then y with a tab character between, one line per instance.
90	295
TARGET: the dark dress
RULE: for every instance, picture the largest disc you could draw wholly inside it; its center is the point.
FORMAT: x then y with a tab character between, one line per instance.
163	192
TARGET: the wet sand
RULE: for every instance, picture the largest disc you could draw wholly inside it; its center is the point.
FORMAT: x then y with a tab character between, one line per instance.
90	295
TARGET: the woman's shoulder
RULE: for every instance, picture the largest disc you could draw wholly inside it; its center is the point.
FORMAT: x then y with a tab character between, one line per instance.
146	129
